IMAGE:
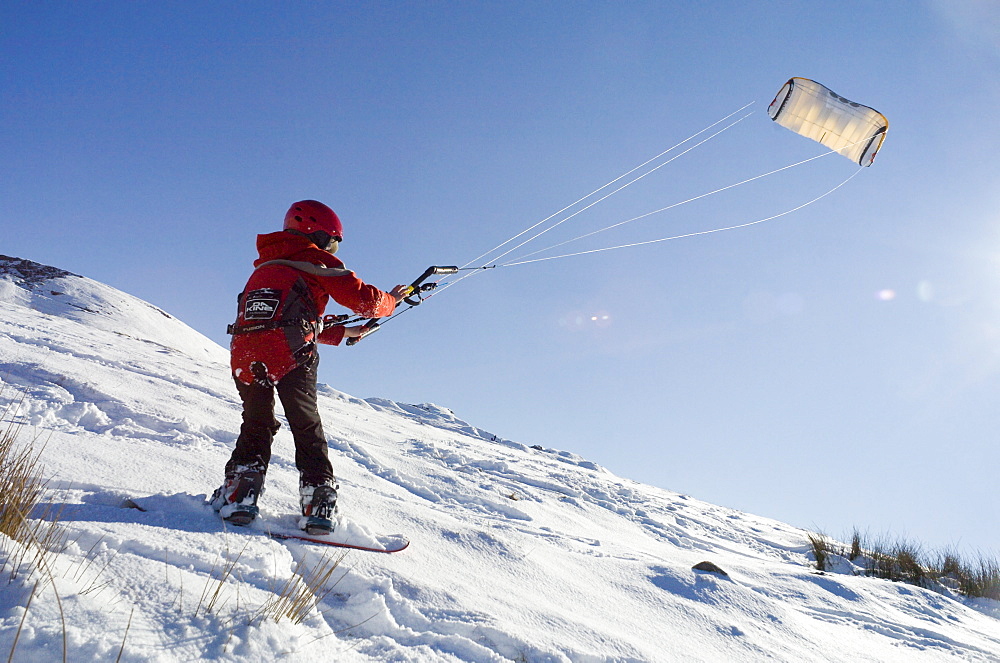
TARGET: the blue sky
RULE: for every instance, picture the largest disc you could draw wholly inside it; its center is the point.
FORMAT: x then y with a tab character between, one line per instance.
833	368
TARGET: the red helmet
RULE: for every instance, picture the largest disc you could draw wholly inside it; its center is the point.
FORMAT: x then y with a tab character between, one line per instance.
308	216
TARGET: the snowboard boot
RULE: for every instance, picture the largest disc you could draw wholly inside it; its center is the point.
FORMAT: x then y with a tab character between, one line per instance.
236	498
319	507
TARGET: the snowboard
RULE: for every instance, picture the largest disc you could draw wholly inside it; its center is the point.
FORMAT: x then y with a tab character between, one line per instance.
346	534
390	544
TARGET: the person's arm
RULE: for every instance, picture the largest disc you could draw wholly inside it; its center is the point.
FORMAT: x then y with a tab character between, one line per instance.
335	335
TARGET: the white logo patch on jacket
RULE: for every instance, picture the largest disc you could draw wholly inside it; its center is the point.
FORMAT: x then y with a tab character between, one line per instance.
261	304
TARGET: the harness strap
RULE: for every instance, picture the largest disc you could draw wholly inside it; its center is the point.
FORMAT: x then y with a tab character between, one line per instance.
233	330
312	319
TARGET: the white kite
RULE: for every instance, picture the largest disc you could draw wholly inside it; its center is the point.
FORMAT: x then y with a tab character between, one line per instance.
817	112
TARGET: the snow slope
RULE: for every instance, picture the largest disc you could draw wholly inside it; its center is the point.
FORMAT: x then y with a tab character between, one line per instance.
518	553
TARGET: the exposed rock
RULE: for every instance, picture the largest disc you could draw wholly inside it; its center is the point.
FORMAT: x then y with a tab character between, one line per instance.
30	274
709	567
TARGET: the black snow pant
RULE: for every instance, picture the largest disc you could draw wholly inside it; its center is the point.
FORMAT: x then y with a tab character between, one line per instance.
297	392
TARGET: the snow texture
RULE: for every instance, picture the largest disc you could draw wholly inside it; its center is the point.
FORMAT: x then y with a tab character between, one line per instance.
518	552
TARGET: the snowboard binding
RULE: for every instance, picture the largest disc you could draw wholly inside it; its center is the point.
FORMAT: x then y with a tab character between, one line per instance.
236	499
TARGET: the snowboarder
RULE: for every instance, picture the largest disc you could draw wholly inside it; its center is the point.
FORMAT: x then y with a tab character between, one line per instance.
273	348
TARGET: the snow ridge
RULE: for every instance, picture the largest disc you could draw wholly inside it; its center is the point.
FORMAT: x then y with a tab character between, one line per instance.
518	552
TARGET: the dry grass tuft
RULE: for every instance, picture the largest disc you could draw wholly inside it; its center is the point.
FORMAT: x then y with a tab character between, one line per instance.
821	550
28	540
307	587
904	561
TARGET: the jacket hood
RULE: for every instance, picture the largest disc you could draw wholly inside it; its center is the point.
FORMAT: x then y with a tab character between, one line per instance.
283	245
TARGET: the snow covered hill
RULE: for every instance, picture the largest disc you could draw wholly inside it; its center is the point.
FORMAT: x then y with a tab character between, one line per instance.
518	552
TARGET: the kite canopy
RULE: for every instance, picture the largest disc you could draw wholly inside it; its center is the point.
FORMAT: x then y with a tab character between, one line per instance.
817	112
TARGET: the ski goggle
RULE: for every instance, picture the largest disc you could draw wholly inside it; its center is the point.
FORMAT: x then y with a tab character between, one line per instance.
327	242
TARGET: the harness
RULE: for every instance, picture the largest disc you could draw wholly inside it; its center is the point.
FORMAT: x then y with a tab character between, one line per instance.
272	308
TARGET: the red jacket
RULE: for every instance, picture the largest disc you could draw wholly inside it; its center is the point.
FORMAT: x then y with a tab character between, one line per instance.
282	306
